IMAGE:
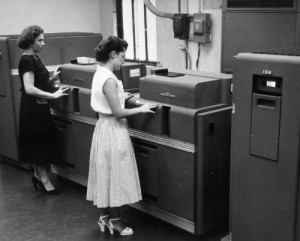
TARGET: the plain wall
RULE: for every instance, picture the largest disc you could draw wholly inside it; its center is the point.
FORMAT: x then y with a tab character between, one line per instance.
99	16
52	16
170	50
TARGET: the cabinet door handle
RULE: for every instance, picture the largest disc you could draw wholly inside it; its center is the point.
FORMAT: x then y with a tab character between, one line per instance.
266	104
167	94
62	127
142	152
77	79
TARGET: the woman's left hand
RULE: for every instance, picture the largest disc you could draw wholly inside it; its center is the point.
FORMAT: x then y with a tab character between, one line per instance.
127	95
55	75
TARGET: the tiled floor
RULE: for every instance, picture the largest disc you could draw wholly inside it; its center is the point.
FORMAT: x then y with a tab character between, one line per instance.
26	214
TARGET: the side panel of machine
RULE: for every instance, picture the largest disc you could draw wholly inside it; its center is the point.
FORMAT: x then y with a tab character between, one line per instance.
73	144
146	154
297	225
212	169
16	85
8	133
83	138
263	191
2	86
176	182
64	148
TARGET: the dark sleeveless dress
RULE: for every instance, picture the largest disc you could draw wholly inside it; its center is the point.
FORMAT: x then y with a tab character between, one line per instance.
36	129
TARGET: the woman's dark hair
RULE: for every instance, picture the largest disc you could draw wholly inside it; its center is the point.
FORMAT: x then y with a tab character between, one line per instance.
28	36
106	46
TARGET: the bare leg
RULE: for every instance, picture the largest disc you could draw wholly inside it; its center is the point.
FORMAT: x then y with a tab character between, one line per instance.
104	211
104	215
45	178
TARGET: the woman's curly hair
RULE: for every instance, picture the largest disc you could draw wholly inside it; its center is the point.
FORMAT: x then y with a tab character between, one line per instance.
28	36
106	46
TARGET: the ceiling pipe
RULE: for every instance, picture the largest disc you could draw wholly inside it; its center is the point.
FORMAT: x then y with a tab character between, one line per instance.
154	10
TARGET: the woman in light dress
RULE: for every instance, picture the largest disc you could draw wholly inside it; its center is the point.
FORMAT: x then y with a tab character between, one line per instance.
113	177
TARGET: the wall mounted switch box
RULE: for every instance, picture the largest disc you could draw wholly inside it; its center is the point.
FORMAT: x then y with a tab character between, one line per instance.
181	26
201	28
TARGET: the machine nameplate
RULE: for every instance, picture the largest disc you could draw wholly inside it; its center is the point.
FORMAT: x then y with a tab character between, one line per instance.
267	71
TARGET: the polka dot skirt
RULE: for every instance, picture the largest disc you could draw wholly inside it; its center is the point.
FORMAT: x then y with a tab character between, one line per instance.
113	176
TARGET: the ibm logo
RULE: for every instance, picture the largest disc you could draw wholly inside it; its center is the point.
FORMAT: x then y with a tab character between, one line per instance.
267	71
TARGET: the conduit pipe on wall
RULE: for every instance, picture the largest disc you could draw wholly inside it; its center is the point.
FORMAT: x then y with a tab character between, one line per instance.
154	10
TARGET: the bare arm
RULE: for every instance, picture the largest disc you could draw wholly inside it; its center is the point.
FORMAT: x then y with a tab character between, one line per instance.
55	76
30	89
110	91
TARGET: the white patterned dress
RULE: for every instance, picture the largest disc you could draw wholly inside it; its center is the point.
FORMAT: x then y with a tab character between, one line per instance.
113	176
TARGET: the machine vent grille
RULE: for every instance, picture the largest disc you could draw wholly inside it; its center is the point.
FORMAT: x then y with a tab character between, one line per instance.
295	51
260	3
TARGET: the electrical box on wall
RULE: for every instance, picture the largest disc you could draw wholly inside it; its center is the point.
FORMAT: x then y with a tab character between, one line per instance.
201	31
181	26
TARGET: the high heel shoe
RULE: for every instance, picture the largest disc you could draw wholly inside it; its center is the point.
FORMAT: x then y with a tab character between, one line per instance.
51	192
119	226
102	223
35	182
41	184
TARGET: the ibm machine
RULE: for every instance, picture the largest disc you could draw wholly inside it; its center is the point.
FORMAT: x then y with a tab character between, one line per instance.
265	191
182	151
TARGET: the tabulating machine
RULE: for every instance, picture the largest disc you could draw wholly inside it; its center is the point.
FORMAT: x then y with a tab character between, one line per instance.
182	150
265	146
60	48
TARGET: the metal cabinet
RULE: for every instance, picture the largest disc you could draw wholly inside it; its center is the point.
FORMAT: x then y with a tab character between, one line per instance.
265	146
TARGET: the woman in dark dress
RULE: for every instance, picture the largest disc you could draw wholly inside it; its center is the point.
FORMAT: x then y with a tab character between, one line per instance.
36	130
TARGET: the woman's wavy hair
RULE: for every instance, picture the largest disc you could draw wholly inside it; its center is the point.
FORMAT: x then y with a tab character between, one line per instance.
106	46
28	36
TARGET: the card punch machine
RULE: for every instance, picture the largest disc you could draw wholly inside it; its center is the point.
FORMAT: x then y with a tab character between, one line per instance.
182	150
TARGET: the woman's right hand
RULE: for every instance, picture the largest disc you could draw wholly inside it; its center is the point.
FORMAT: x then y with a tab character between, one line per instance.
148	108
61	92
